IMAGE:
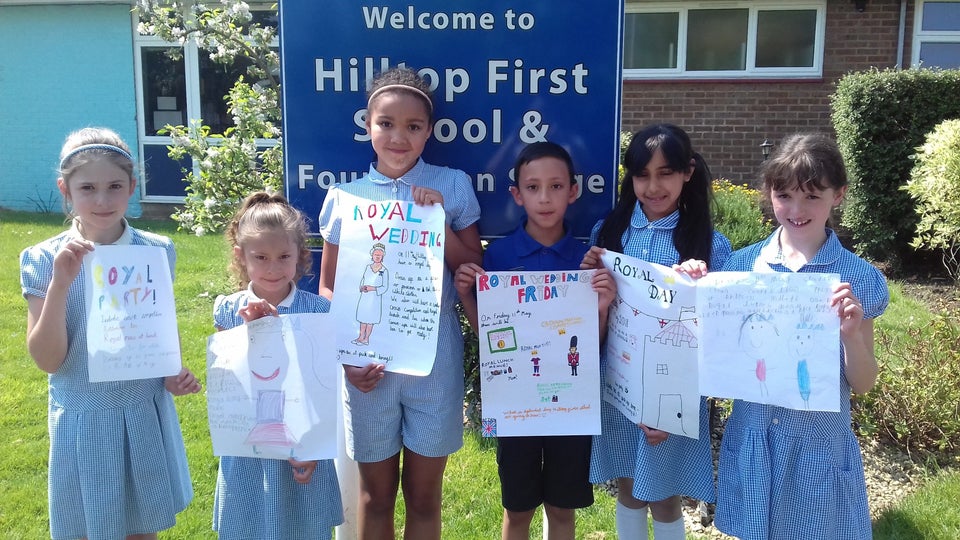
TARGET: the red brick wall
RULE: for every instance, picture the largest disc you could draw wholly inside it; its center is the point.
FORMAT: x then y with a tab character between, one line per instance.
727	120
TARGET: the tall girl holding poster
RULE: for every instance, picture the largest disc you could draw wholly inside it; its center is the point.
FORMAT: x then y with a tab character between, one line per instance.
662	216
389	414
788	473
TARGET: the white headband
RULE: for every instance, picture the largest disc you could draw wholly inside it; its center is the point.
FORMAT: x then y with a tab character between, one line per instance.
385	88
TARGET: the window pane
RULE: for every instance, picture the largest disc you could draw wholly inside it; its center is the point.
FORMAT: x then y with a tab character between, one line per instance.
785	38
266	19
650	40
164	89
941	16
942	55
216	80
164	176
717	39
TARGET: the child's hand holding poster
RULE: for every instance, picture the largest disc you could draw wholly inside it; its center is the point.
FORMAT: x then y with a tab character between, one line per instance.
131	316
272	388
389	284
539	353
770	337
652	346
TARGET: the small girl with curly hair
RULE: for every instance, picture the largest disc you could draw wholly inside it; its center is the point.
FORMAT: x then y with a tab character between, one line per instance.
269	498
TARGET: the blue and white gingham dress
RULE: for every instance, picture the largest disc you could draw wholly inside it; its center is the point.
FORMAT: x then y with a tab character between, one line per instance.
424	414
679	465
258	499
787	474
117	461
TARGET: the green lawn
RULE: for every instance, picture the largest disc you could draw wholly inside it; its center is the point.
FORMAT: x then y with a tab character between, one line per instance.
471	496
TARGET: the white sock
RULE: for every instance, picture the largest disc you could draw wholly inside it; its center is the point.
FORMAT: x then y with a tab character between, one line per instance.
669	531
631	523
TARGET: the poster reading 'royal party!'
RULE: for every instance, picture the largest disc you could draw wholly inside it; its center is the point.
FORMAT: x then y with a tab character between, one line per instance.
539	353
131	315
389	283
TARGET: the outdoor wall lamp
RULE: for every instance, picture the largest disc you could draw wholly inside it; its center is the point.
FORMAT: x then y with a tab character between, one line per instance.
765	147
860	5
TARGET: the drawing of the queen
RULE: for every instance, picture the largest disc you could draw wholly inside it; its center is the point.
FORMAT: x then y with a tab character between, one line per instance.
373	285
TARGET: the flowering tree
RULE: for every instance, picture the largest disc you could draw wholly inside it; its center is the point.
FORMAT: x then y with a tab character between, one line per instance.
231	165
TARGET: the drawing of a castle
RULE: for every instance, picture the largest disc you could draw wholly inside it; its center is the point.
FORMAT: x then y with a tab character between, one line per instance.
671	399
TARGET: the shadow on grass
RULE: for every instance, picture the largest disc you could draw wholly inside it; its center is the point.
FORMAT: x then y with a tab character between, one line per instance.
897	525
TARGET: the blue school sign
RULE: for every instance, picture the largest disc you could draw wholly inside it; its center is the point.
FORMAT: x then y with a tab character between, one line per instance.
504	74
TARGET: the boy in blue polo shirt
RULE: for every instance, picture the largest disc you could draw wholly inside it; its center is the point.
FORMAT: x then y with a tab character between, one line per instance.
553	471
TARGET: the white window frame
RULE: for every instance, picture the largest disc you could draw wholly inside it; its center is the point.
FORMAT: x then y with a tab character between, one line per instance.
751	71
921	36
191	65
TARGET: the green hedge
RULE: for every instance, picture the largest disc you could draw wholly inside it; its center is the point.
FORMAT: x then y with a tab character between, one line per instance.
880	118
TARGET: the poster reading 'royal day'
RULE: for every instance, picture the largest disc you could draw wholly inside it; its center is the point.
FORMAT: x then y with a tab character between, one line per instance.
272	388
539	353
771	337
389	284
131	314
652	346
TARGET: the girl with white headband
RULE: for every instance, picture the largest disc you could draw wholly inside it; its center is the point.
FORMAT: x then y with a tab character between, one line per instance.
118	468
390	414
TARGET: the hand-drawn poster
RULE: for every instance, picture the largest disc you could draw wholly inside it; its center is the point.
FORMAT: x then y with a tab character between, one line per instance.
389	284
652	346
272	388
131	315
770	337
539	353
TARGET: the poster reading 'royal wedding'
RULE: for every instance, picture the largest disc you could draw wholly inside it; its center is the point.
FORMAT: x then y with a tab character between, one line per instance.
131	315
389	284
539	353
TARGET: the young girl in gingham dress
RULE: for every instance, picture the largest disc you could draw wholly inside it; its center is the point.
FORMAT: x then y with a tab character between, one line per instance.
390	413
271	499
785	473
117	462
662	216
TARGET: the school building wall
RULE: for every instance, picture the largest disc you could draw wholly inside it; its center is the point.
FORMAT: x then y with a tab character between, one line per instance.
728	119
66	66
62	67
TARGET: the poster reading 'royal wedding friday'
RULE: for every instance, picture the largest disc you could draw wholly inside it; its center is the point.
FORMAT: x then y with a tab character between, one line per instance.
539	353
389	283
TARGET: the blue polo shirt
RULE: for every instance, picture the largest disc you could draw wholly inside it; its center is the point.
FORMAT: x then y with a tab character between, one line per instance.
518	251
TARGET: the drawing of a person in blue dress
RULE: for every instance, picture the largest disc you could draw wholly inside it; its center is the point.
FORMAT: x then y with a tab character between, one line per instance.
373	285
